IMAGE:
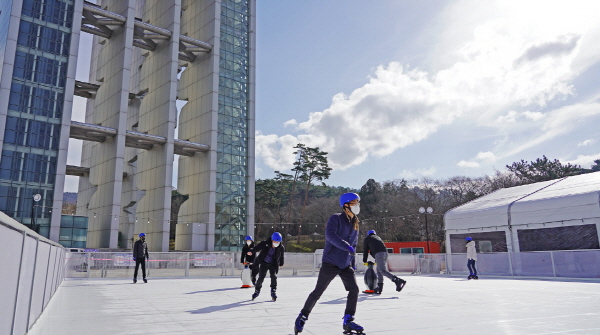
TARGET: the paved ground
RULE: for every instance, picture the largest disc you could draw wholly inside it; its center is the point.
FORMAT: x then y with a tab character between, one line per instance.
427	305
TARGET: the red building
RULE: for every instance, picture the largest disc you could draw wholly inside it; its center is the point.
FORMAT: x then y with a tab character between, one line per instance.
413	247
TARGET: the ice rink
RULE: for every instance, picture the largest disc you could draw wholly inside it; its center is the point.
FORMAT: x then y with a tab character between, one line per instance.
427	305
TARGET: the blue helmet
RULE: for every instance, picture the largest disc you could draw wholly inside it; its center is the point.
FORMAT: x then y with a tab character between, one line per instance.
468	238
347	197
248	238
276	237
142	234
371	232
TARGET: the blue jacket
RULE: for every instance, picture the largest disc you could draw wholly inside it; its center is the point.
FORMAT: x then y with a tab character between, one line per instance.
339	234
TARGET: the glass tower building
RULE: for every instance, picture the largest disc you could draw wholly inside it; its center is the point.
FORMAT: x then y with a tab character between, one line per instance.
35	57
170	81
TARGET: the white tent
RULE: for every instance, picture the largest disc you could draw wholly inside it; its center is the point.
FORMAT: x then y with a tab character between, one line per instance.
570	201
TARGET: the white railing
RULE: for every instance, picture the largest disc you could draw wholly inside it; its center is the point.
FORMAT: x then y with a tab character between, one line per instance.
31	269
564	263
572	264
218	264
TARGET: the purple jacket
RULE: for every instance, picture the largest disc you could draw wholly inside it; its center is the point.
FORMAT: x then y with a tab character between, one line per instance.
339	234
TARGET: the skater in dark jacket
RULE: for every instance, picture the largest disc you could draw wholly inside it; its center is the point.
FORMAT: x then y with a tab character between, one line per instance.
374	244
247	256
341	237
140	255
270	259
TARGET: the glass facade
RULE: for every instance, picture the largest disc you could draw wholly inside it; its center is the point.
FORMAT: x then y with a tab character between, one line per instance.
73	231
32	135
5	8
232	144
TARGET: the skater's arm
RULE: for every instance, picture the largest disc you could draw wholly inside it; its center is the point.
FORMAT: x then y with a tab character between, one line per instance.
244	251
282	254
332	235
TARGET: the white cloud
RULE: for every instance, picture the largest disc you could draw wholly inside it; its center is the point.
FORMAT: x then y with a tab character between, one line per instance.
510	117
586	161
467	164
291	123
519	55
534	116
486	156
586	142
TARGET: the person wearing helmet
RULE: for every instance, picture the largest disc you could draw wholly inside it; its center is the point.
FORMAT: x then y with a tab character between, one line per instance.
270	258
471	258
341	238
140	255
375	245
247	256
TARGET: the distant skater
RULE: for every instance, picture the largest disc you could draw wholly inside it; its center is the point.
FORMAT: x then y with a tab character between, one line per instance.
341	237
471	258
375	245
140	255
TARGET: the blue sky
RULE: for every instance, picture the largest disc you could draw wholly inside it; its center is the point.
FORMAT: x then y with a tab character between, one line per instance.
406	89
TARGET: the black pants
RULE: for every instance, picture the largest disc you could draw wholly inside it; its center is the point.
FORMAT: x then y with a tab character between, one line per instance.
262	269
138	261
326	275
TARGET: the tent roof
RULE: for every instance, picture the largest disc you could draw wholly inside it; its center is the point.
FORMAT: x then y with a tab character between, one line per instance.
569	198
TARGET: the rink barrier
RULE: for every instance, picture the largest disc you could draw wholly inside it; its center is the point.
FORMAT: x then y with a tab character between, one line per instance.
583	263
568	264
32	269
93	265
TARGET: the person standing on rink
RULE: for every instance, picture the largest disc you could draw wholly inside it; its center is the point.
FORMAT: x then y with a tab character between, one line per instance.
471	258
140	255
341	237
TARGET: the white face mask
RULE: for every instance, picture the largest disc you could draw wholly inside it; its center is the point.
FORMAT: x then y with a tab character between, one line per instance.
355	209
275	244
248	242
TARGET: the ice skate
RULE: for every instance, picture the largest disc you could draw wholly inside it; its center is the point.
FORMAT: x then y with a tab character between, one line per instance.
255	294
145	280
399	283
351	327
379	288
273	294
475	277
299	324
134	280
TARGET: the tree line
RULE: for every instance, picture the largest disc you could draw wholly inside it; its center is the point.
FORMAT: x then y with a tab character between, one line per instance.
297	206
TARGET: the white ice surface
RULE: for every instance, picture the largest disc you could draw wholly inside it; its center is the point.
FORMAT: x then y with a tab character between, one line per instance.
427	305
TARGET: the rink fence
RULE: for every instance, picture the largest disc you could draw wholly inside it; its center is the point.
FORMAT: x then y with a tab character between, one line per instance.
31	270
570	264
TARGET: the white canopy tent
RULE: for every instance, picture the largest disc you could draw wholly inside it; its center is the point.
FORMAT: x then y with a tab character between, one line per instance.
565	202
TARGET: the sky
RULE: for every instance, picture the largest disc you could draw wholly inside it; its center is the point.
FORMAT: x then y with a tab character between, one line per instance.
423	88
406	89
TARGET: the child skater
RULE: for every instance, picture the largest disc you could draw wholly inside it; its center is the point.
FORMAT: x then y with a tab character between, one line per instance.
247	256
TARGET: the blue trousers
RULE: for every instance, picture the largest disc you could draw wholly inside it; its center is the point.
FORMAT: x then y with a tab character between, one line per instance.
471	266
